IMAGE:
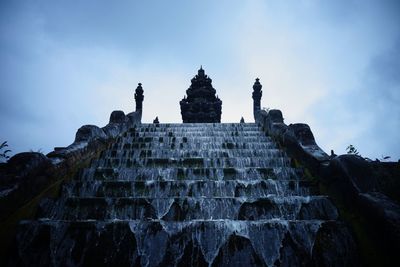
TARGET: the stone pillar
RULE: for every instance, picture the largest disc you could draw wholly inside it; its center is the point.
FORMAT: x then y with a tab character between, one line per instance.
257	94
139	98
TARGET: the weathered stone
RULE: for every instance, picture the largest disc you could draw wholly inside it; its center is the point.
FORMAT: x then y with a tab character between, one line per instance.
257	94
24	175
237	251
275	116
139	98
89	132
303	133
360	186
114	129
23	163
334	246
117	116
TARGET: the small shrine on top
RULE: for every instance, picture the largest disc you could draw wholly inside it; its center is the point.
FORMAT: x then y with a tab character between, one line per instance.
201	104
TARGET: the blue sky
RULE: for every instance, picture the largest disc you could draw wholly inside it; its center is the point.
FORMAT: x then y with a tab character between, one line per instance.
332	64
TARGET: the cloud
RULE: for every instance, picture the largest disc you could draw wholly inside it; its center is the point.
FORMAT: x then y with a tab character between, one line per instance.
333	65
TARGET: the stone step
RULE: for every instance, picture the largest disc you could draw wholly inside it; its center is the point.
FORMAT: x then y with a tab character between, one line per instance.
190	153
205	138
197	133
198	162
211	242
187	188
128	146
191	208
227	129
198	125
176	173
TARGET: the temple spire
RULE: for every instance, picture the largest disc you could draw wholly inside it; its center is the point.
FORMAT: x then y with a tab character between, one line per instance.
201	72
201	103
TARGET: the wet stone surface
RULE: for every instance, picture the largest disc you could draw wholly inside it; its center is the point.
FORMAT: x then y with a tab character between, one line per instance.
187	195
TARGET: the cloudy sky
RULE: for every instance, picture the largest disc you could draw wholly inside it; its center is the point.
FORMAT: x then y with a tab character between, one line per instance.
334	65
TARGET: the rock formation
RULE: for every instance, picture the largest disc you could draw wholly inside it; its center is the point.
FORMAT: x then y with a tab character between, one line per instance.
198	194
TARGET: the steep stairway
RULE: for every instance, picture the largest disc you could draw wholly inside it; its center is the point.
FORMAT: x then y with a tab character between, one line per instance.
187	195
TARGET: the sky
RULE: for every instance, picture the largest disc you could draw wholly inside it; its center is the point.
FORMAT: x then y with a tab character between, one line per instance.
334	65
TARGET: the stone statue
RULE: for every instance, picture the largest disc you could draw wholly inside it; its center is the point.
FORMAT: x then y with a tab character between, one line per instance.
139	97
257	94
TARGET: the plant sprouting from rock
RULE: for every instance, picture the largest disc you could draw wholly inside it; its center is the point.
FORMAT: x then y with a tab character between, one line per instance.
4	152
352	150
385	158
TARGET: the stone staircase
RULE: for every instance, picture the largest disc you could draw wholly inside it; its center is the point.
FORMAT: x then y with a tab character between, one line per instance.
187	195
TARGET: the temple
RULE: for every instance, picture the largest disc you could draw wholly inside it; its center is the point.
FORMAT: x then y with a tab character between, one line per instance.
255	194
201	104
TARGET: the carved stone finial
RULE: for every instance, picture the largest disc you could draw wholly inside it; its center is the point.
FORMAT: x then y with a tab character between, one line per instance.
139	97
201	72
257	94
242	120
156	120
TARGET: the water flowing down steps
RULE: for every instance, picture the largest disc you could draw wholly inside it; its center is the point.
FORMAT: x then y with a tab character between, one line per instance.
187	195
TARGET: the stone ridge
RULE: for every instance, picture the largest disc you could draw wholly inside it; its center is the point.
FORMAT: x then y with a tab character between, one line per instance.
188	195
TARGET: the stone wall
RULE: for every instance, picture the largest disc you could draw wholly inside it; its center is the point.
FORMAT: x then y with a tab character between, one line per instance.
366	192
30	176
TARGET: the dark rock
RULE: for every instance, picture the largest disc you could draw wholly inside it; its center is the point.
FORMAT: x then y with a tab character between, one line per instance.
384	215
239	252
275	116
192	256
352	172
19	167
22	177
334	246
117	116
23	163
73	248
292	254
362	187
320	208
255	210
134	118
89	132
113	129
303	133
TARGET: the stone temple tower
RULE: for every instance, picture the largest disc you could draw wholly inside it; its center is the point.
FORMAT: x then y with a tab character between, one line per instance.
201	104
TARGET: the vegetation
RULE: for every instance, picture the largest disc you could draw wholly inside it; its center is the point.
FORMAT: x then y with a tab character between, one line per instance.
352	150
3	152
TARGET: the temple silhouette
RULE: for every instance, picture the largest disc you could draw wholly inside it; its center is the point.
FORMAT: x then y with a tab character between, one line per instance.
201	104
198	193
